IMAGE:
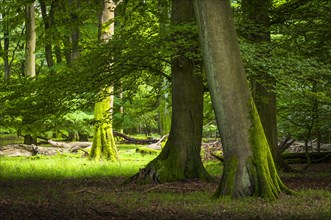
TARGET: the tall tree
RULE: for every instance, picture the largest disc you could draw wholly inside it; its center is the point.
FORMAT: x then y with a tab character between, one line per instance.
30	59
5	49
180	158
248	164
103	146
48	19
256	18
30	56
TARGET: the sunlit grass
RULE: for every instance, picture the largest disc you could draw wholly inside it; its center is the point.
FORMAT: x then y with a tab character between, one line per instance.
74	166
71	166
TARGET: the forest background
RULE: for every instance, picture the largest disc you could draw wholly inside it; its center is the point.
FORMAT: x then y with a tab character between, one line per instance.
70	71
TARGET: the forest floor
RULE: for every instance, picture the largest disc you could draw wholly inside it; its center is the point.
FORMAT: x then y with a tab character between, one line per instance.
109	198
71	187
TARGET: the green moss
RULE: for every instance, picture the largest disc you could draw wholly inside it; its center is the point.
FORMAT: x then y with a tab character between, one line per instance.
103	147
267	182
227	185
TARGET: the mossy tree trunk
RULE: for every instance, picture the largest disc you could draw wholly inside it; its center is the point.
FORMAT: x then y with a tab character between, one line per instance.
248	164
103	146
180	158
256	14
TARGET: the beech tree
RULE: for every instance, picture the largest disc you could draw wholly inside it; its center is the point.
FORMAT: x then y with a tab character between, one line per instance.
30	57
30	60
103	146
180	158
48	19
248	164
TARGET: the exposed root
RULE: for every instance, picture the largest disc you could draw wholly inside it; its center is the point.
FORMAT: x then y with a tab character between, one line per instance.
145	175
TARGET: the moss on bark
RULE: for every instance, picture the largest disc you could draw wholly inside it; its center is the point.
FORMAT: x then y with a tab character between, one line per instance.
103	146
266	180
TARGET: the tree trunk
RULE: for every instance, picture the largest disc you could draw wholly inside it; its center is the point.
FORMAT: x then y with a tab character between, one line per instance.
48	37
180	158
82	137
103	146
248	164
29	139
71	136
263	84
5	50
30	57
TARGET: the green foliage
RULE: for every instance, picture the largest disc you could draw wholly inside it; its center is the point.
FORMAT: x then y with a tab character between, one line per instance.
137	62
298	56
78	122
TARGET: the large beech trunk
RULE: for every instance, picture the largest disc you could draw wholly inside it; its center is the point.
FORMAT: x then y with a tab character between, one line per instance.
103	140
180	158
248	164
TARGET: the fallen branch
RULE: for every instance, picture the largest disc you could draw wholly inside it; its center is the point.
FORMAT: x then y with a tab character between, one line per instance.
157	145
295	158
285	144
156	187
131	140
72	146
29	150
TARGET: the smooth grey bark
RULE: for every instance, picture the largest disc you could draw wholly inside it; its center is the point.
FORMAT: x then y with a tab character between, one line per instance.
30	57
248	165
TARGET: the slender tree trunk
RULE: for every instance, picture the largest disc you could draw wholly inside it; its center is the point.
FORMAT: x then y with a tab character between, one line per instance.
104	146
48	37
6	54
30	57
5	49
256	14
248	164
71	40
29	139
180	158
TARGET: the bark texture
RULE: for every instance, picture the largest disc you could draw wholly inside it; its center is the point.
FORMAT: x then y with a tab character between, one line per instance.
248	165
104	146
180	158
30	57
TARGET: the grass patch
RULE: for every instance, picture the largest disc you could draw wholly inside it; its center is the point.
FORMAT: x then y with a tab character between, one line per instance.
71	166
67	186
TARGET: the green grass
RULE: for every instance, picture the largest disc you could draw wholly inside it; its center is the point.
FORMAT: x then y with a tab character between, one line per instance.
71	166
69	186
6	139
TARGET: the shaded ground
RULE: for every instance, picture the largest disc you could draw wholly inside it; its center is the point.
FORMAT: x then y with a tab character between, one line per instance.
107	198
